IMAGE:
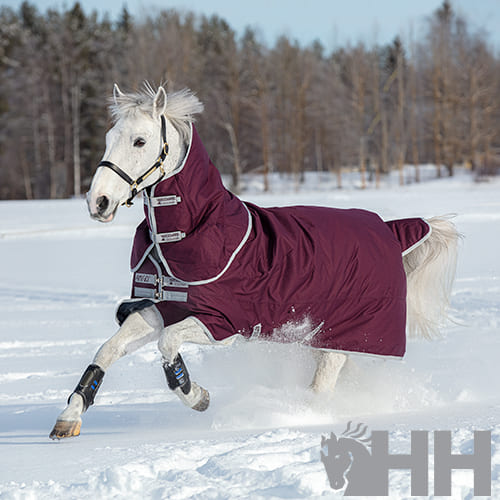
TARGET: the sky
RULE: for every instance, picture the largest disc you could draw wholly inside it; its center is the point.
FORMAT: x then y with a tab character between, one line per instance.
333	22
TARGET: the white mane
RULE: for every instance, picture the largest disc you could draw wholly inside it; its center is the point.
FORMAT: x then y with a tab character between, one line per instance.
180	108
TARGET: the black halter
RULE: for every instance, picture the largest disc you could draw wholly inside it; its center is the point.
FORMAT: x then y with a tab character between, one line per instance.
158	164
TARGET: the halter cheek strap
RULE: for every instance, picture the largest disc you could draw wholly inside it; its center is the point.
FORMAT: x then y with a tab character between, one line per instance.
134	184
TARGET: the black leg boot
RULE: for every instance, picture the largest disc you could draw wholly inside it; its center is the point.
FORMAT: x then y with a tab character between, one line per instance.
191	394
87	389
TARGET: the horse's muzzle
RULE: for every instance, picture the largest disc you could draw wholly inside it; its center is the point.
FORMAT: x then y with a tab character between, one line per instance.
103	210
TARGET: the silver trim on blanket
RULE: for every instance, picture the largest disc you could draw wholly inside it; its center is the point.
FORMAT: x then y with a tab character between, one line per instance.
256	331
310	335
228	264
420	241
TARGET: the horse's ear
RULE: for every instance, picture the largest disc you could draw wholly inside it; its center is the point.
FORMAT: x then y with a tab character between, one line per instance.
117	93
159	102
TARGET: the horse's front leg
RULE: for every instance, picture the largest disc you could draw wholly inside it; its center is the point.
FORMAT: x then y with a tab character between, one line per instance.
171	339
137	329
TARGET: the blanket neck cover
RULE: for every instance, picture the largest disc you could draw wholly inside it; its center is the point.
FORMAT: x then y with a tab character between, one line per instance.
324	277
196	225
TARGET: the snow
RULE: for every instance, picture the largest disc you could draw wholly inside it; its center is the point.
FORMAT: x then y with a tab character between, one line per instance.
60	280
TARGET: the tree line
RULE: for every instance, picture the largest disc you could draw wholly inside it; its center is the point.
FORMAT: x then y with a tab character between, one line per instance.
283	108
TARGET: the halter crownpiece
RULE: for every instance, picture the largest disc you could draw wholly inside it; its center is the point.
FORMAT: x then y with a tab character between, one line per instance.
134	184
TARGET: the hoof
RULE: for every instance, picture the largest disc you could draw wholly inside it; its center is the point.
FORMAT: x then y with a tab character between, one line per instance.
203	402
65	429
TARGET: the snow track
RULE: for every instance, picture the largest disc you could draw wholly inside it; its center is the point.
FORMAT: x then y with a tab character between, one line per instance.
61	277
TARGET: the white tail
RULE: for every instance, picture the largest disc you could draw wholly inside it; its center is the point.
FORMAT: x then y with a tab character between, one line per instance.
430	272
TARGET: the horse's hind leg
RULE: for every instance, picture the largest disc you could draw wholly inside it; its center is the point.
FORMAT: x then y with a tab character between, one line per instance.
137	329
171	339
329	365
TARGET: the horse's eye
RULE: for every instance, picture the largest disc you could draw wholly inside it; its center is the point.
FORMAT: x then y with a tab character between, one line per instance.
139	142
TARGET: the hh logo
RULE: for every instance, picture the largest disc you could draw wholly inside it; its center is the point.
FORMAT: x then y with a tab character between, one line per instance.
359	464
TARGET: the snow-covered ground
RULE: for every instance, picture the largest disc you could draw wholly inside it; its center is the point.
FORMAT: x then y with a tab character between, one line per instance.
61	276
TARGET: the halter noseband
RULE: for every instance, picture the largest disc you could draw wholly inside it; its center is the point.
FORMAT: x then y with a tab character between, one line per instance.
158	164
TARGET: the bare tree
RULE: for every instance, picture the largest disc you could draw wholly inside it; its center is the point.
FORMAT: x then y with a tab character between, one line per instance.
283	108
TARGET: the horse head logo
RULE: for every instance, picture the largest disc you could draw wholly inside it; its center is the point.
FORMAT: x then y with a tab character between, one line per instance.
346	458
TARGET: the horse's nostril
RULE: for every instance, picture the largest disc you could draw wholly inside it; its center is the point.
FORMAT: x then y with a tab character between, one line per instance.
102	204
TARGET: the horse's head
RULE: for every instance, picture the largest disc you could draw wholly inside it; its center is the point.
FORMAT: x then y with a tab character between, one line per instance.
147	141
337	460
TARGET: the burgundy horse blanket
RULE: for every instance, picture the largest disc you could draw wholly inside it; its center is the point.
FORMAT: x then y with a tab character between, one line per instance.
237	268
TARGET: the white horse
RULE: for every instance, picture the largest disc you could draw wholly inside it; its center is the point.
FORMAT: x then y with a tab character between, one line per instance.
149	142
